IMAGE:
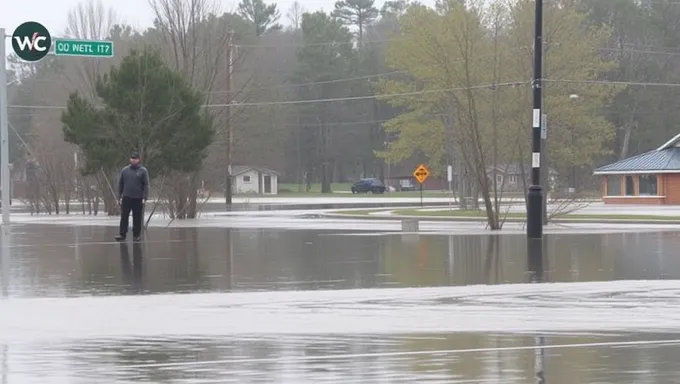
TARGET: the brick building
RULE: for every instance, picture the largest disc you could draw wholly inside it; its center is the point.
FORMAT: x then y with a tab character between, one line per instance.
649	178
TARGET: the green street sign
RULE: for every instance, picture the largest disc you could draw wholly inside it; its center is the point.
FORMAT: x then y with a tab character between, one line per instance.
91	48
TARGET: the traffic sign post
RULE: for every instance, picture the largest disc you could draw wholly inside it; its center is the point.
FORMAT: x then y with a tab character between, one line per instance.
31	42
4	134
421	173
90	48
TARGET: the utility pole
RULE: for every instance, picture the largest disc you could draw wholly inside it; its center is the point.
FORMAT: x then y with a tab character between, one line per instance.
229	130
545	164
535	195
545	174
4	133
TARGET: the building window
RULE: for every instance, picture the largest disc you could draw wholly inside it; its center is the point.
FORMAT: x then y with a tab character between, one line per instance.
246	179
513	179
648	185
613	185
499	179
630	186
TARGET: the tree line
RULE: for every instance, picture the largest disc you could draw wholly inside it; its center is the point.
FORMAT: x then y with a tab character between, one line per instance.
334	96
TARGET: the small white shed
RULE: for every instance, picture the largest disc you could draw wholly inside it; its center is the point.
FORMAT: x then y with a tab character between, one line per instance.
254	180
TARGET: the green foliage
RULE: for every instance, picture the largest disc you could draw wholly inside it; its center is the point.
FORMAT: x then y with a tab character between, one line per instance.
264	17
644	43
571	54
467	93
146	108
396	8
325	56
326	51
456	54
324	63
356	12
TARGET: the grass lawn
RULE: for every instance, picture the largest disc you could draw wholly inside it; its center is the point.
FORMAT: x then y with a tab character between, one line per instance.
345	189
292	188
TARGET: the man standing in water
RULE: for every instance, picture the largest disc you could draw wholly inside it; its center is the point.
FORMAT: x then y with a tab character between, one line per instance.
133	189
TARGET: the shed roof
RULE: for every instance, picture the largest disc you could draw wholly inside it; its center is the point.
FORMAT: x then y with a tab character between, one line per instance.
665	159
239	169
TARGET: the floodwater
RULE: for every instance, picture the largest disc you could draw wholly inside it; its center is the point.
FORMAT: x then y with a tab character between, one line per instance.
214	305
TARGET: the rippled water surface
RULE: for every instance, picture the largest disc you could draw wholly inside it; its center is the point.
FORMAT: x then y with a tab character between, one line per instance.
259	306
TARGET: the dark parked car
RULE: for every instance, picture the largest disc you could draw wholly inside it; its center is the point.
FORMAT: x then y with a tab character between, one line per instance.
368	185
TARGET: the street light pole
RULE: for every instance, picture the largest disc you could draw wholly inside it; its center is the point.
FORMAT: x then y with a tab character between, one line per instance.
228	191
4	133
535	195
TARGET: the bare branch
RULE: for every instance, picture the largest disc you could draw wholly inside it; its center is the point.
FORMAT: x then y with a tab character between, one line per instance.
90	20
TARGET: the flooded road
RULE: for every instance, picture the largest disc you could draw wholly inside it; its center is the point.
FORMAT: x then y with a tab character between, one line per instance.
213	305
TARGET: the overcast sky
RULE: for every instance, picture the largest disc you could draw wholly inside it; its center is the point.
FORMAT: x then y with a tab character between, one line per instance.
52	13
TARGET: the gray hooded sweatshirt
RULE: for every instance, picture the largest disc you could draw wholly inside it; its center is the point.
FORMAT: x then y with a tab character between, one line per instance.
133	183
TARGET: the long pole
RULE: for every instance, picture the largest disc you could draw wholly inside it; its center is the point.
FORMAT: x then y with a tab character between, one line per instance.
5	255
536	267
4	133
230	63
545	173
535	195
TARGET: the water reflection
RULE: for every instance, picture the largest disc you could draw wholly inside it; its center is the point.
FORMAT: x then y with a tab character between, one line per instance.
191	260
4	365
220	260
5	258
409	358
536	269
132	271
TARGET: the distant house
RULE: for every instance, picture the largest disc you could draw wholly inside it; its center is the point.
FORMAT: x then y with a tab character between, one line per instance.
649	178
254	180
509	176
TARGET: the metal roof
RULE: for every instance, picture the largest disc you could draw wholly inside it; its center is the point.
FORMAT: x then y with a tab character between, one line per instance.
239	169
665	159
674	142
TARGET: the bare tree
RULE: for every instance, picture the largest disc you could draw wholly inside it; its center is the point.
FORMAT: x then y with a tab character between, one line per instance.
294	15
89	20
195	39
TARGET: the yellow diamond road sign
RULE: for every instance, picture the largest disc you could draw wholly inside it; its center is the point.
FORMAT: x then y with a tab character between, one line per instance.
421	173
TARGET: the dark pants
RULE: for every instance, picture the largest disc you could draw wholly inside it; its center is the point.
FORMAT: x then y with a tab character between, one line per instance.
135	205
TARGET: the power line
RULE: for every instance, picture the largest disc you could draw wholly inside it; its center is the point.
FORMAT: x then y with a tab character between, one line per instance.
301	45
302	125
646	52
36	106
406	94
608	82
645	2
341	80
383	74
312	101
354	78
654	47
362	122
368	97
